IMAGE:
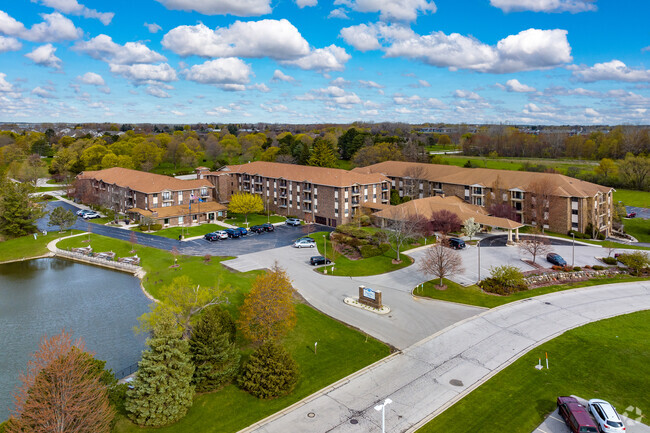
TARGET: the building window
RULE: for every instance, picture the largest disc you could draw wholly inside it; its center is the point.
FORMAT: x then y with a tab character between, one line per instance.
574	211
166	221
167	195
180	220
194	217
204	192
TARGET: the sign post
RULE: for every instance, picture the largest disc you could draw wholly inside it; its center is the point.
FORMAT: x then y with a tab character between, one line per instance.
370	297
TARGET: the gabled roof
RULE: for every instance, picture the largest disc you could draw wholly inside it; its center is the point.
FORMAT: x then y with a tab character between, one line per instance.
559	184
142	181
180	210
303	173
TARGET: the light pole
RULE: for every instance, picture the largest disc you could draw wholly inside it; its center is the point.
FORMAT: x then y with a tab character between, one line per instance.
325	239
573	249
479	260
382	408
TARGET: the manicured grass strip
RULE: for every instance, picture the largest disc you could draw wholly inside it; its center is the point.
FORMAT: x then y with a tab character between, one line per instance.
631	197
357	268
50	188
253	219
604	244
605	359
473	295
27	246
638	227
517	163
188	232
341	351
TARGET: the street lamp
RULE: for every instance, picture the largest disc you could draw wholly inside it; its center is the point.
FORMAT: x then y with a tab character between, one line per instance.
325	239
573	249
382	408
479	260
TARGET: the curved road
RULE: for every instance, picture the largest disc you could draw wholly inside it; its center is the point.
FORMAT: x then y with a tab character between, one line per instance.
433	374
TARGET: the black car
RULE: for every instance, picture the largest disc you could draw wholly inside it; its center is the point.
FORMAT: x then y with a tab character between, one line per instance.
233	233
457	243
319	260
211	237
257	229
556	259
268	227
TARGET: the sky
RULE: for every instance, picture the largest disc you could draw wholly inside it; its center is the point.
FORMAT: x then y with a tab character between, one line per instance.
314	61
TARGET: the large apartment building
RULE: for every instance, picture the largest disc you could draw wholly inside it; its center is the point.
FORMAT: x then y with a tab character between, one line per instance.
165	199
326	196
559	203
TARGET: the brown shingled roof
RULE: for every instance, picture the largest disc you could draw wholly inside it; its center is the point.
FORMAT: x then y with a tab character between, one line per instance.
142	181
302	173
562	185
179	210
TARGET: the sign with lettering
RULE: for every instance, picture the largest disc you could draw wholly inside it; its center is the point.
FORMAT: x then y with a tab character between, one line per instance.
368	293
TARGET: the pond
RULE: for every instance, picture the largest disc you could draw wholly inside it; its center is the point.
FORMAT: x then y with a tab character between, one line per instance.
44	296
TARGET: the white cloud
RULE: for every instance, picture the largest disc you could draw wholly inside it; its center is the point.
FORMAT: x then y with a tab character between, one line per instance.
532	108
103	48
303	3
92	79
399	10
222	72
42	93
366	37
326	59
369	112
218	111
404	110
260	87
370	84
277	39
530	49
415	101
340	82
9	44
466	94
273	108
240	8
44	56
333	96
591	112
423	83
9	26
157	92
278	75
515	86
153	27
55	28
572	6
614	70
72	7
177	113
5	86
143	74
339	13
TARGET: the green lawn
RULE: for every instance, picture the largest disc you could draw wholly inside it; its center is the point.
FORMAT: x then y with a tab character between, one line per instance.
357	268
517	163
188	232
473	295
344	164
605	359
253	219
441	148
638	227
50	188
604	244
27	246
232	409
633	198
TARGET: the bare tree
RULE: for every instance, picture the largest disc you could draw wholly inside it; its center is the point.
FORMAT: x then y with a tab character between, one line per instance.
534	244
542	194
441	261
412	178
400	230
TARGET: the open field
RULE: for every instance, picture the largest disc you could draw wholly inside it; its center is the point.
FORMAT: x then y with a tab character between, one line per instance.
633	198
198	230
518	163
604	359
27	246
253	219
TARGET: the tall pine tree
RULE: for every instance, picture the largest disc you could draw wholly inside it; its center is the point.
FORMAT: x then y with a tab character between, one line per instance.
215	356
162	391
322	154
18	211
270	372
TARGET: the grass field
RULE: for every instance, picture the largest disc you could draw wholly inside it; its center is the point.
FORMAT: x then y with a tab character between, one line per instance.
232	409
50	188
253	219
473	295
27	246
639	228
188	232
518	163
604	360
633	198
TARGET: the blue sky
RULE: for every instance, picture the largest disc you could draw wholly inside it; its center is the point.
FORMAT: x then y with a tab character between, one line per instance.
313	61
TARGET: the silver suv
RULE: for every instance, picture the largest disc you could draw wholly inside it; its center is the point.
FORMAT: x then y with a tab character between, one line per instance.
606	416
292	222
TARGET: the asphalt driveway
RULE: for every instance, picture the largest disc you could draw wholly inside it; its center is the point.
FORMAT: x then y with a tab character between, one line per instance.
501	240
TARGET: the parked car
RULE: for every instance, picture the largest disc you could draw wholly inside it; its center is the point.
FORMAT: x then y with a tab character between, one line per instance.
575	415
307	238
292	222
556	259
233	233
242	231
319	260
606	416
304	243
257	229
268	227
90	215
222	234
631	215
456	243
81	212
211	237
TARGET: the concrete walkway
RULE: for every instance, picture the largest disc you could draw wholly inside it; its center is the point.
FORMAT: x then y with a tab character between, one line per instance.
433	374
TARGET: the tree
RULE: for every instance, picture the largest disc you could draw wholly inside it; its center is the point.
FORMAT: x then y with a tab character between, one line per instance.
470	228
270	372
268	311
245	203
534	244
376	153
62	217
182	300
62	391
503	210
18	211
322	154
606	169
444	140
504	280
635	171
635	261
445	221
441	261
133	240
214	355
162	391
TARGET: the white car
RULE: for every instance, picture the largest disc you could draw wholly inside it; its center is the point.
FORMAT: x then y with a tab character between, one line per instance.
90	215
606	416
304	243
222	234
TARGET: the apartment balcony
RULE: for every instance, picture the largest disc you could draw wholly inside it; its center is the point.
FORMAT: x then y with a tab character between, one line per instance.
355	202
258	181
357	192
282	205
283	195
307	188
246	187
308	211
283	186
306	200
167	199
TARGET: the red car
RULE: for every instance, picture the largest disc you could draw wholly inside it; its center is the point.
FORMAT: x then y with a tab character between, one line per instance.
576	416
631	215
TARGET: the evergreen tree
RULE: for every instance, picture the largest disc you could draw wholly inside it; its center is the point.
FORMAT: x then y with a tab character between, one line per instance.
162	391
215	357
18	211
322	154
62	217
270	372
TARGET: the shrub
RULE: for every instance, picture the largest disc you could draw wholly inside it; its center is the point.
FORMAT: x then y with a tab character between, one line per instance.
635	261
154	227
600	236
597	268
270	372
504	280
365	220
579	235
609	260
577	268
353	231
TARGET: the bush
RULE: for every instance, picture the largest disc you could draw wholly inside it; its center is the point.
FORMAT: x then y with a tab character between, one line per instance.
153	227
600	236
577	268
597	268
609	260
353	231
504	280
579	235
635	261
270	372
